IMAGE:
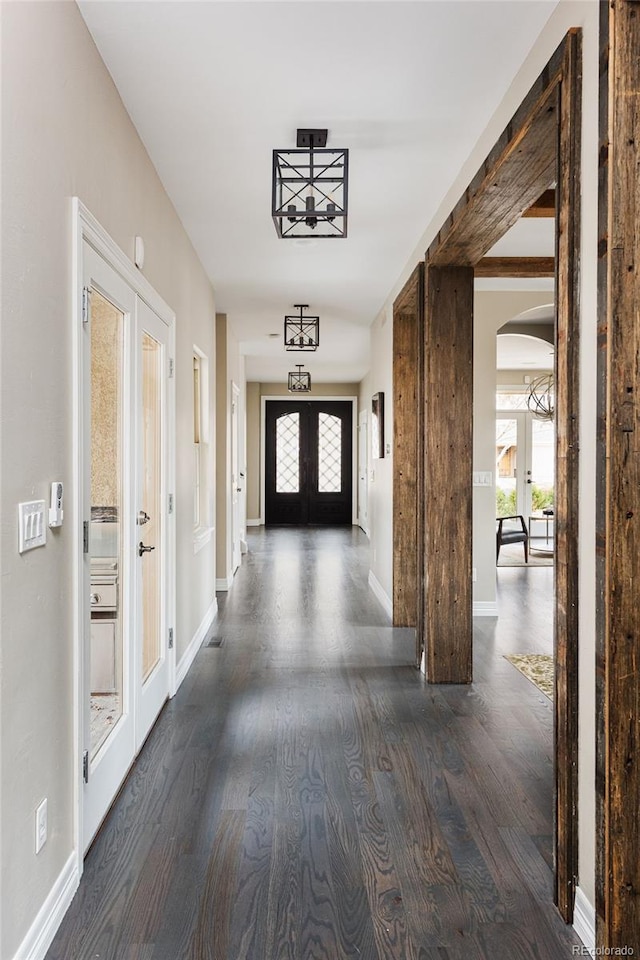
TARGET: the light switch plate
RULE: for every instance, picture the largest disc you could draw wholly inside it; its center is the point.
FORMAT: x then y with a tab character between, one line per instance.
482	478
32	529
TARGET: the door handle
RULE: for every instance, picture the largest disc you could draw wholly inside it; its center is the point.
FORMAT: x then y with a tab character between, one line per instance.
142	549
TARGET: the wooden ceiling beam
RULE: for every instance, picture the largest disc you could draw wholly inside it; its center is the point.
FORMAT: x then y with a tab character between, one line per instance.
526	268
518	171
545	206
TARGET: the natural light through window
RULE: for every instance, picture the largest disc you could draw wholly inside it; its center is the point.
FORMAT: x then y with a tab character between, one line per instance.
288	453
329	453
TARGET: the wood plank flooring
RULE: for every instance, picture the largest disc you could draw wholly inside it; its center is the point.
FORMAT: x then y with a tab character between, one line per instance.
307	796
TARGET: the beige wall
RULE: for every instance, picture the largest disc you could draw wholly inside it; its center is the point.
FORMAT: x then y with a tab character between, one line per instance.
380	487
66	133
568	13
317	390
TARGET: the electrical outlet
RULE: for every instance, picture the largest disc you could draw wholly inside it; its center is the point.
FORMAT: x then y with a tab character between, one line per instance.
41	825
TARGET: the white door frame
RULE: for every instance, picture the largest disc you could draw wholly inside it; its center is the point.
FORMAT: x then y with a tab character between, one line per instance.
234	427
86	228
363	470
151	693
108	768
354	447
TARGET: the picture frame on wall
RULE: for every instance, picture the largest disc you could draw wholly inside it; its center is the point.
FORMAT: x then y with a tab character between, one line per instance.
377	426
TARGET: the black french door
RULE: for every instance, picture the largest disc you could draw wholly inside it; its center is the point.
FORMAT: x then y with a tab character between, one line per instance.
308	471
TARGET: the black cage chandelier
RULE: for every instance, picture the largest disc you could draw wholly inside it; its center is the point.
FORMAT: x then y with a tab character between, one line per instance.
309	189
301	333
300	381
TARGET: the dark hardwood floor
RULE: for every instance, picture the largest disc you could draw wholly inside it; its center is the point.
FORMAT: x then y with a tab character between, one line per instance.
307	796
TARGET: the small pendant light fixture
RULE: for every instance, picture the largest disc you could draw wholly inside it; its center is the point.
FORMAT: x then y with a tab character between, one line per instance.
299	382
301	333
309	188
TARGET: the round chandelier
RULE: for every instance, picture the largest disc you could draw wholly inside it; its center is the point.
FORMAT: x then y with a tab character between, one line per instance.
541	398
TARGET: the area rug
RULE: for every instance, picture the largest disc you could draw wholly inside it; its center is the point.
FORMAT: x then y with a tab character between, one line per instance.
512	555
536	667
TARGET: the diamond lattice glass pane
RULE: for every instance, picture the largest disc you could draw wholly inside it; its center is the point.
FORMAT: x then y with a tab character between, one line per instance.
329	454
288	453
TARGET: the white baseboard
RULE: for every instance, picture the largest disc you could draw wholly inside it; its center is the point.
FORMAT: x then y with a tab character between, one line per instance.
244	547
190	653
254	523
485	608
584	921
44	927
224	583
378	590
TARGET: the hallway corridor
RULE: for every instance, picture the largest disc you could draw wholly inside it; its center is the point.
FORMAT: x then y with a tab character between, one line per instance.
307	796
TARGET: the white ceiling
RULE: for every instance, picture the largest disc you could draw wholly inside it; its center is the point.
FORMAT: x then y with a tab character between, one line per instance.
517	351
213	87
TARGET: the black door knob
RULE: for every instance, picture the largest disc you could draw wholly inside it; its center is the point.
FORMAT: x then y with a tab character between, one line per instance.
142	549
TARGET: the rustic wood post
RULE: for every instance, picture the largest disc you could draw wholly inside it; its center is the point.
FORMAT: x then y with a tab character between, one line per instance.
448	451
618	621
408	337
567	380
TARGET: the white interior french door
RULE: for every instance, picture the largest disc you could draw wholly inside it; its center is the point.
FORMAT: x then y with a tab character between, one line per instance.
525	449
150	550
107	569
125	569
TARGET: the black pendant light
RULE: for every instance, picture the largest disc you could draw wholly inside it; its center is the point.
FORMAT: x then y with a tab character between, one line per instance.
301	333
300	381
309	188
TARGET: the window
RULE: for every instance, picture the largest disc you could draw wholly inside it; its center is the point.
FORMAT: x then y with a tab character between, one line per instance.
329	454
288	453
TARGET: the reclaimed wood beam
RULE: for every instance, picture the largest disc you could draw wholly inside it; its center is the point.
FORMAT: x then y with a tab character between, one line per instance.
504	188
408	333
566	496
526	268
618	491
448	489
545	206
